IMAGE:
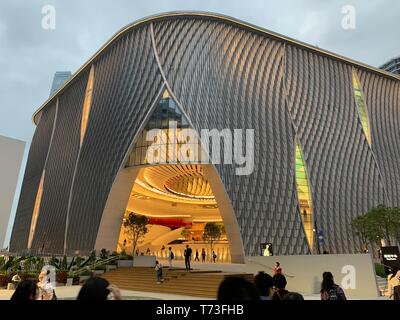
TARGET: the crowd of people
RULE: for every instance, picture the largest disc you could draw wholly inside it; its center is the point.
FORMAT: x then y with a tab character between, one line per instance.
42	289
267	287
264	287
188	254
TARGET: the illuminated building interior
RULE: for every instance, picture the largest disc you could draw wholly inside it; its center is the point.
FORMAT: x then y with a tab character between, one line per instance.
178	200
361	106
304	196
171	188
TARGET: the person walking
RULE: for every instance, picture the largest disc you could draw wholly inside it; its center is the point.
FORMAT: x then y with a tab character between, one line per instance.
277	268
171	256
330	290
214	256
188	255
197	256
159	272
203	255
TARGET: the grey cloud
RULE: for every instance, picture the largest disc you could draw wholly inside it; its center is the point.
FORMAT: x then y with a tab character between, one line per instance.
29	55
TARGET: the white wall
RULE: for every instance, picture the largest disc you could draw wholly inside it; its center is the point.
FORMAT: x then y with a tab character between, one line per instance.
355	273
11	152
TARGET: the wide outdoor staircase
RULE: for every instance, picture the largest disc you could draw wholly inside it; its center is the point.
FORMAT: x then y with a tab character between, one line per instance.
194	283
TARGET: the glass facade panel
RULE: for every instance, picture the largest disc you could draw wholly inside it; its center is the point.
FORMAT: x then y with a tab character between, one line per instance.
304	196
87	104
36	209
361	106
167	137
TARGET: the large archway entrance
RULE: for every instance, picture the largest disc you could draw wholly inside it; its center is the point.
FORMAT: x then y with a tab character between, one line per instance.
166	179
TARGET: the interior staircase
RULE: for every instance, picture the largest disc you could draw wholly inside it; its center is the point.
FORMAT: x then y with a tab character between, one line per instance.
194	283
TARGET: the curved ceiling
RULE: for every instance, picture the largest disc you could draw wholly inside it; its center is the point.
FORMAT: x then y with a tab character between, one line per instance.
177	183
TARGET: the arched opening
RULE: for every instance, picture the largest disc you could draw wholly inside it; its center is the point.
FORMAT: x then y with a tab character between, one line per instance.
166	180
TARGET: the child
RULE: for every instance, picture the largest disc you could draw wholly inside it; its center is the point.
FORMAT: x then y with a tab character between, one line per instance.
159	273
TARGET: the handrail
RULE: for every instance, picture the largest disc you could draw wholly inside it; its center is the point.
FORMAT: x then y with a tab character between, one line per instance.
94	265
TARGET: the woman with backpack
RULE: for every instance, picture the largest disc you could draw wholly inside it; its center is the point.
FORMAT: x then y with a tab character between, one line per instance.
330	290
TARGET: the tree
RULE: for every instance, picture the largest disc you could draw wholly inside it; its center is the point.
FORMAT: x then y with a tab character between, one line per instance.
380	222
136	228
185	232
361	226
212	233
382	217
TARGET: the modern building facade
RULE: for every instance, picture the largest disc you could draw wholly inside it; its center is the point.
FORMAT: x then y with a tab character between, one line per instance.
12	151
325	142
392	65
60	77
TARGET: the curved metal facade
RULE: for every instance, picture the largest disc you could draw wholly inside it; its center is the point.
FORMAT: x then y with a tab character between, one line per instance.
224	74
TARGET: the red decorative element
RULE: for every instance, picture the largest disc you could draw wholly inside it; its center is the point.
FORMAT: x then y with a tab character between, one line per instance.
169	222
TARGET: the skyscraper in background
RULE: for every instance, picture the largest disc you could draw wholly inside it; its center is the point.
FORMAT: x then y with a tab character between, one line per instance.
392	65
60	77
12	151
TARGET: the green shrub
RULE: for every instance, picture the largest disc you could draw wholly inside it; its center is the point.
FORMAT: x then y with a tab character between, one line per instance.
100	268
380	270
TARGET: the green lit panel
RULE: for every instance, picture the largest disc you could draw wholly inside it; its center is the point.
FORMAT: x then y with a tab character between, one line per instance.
304	195
361	106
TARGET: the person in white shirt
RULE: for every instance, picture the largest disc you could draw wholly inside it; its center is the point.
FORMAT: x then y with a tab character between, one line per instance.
46	289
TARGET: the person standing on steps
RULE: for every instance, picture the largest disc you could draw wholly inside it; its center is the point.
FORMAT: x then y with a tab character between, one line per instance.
170	256
277	268
188	256
203	255
214	256
159	272
197	256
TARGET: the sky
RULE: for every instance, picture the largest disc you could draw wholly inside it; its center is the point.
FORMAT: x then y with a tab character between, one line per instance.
31	54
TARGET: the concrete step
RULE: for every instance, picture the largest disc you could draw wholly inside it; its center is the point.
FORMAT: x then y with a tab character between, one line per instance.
200	283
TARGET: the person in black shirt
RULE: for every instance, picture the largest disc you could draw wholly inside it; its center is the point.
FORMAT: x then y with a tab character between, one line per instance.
188	256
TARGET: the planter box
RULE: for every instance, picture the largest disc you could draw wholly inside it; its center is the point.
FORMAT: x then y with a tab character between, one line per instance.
110	267
69	282
98	272
144	261
125	263
10	286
